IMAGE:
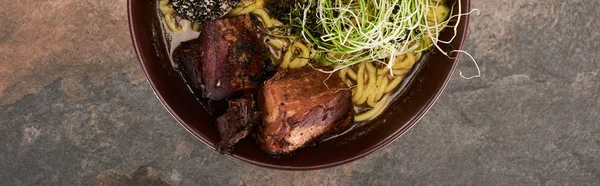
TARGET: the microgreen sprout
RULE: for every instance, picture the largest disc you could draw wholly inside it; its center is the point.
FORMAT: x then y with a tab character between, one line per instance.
353	31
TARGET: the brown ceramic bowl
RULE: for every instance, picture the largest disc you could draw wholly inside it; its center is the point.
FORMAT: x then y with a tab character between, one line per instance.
419	95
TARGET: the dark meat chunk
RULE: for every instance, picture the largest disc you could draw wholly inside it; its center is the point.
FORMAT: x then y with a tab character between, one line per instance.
298	109
227	59
237	122
188	56
203	10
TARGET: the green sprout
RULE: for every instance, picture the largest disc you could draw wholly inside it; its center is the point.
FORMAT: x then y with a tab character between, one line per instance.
347	32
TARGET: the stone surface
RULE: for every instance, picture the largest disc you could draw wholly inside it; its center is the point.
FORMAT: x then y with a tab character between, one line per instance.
73	101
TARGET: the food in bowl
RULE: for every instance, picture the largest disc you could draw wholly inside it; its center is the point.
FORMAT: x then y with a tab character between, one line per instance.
293	73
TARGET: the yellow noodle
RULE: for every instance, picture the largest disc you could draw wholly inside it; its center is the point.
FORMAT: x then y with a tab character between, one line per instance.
246	8
359	82
374	111
418	56
303	62
400	57
436	14
400	72
171	24
371	98
382	71
382	85
245	3
276	43
370	87
351	73
196	27
370	68
286	60
167	9
304	55
373	91
169	16
342	74
276	22
303	49
393	84
410	59
295	63
236	11
264	16
260	3
406	63
249	9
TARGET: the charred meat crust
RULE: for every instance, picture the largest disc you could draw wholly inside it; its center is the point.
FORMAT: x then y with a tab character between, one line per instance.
187	55
226	60
298	109
237	122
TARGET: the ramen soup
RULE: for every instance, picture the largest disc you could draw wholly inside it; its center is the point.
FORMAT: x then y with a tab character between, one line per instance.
291	73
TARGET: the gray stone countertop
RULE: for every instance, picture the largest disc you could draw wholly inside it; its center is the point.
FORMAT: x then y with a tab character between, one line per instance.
74	106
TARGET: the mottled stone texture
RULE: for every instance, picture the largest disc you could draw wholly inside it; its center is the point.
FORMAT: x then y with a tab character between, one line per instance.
73	108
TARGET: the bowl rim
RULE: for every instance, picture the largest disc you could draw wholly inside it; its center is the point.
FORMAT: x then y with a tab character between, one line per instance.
383	143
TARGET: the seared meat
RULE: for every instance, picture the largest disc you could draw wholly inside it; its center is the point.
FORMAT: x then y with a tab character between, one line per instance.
298	109
237	122
188	56
226	59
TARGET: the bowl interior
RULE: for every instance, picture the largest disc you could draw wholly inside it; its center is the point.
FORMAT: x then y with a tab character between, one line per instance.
420	93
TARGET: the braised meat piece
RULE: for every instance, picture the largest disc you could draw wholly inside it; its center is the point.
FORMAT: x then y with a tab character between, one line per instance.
188	56
237	122
299	109
226	59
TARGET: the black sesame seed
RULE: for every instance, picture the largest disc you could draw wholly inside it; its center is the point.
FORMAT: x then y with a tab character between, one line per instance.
203	10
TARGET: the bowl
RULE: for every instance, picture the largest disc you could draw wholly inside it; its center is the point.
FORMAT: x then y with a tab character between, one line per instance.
420	93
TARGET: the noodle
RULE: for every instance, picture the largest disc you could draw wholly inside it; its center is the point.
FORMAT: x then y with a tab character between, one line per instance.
172	24
374	81
264	16
342	75
408	62
382	71
286	60
359	83
375	111
367	91
304	54
169	16
382	85
196	27
276	43
258	4
393	84
351	73
379	82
